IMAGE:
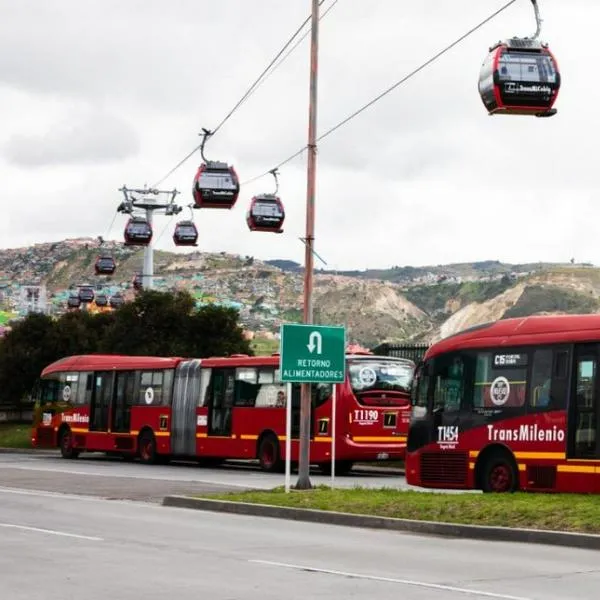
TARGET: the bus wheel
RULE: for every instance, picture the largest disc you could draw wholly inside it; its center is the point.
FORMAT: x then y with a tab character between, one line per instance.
66	444
147	447
268	453
499	474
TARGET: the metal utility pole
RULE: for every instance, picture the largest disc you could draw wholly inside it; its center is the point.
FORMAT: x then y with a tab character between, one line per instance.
303	482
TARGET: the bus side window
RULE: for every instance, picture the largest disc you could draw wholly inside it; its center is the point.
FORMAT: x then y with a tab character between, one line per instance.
246	386
549	385
541	379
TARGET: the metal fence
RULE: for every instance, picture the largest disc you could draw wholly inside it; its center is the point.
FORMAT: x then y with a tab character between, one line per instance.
414	352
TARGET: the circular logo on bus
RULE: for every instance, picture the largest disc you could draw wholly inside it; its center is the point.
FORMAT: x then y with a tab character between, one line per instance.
500	391
367	376
149	395
66	393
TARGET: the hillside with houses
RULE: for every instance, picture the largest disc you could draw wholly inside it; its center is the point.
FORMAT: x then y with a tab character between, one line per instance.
400	304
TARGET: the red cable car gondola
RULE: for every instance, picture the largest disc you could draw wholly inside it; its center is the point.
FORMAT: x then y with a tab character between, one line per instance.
105	265
138	232
185	234
216	184
116	301
266	212
86	294
101	300
520	76
73	301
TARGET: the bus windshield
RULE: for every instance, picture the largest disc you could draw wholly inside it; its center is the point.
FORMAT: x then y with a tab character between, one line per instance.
380	374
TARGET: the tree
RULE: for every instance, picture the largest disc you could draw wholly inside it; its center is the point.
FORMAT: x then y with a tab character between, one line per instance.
24	352
165	324
215	331
154	324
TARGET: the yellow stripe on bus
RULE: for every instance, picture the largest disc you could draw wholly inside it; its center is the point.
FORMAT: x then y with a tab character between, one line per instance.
577	469
529	455
377	438
541	455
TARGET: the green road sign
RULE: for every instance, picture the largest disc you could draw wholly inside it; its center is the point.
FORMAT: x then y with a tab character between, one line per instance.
312	353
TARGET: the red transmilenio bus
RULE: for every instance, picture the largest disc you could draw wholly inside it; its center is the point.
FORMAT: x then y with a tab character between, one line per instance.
219	408
509	405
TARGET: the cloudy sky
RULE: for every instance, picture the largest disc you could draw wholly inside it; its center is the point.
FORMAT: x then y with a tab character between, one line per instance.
95	94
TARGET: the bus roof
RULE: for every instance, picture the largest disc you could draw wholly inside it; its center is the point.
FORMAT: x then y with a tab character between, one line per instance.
241	360
525	331
106	362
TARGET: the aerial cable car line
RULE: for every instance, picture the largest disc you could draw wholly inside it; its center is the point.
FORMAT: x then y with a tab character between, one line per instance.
293	48
249	92
388	90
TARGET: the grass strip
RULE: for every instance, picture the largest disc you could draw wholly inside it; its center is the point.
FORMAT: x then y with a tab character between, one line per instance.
15	435
555	512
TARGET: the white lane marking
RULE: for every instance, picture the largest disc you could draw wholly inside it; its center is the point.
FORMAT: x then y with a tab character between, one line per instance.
44	494
52	532
422	584
220	483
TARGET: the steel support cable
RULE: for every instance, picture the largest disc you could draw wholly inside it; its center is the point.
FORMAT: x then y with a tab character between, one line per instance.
388	90
246	95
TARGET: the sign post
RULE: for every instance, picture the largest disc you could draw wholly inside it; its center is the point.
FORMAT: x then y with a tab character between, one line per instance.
288	438
311	354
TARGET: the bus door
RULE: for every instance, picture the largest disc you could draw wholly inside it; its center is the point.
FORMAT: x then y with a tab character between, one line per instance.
186	396
442	404
122	401
584	441
220	402
102	394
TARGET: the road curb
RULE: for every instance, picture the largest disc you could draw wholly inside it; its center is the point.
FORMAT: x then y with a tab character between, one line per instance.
475	532
29	451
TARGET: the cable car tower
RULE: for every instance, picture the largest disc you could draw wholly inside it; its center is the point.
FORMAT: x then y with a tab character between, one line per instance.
141	205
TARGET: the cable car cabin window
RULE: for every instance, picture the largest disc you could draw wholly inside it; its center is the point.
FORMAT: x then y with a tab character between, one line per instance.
500	381
216	180
266	208
152	389
526	67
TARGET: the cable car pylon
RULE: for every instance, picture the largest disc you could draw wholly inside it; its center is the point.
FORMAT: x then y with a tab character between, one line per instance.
138	231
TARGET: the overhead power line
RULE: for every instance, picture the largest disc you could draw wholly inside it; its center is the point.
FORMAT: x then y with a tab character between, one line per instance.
388	90
269	69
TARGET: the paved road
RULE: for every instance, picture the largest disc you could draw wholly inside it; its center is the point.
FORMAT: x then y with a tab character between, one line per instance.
112	478
62	547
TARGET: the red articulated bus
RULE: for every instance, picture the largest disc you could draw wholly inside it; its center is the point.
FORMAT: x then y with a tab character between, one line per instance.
219	408
509	405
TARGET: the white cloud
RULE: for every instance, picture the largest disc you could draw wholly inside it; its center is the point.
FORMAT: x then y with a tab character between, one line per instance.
79	137
424	176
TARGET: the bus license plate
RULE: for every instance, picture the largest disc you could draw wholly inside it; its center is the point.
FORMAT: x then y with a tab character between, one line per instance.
383	456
